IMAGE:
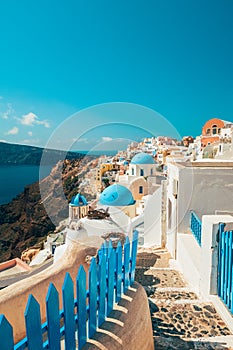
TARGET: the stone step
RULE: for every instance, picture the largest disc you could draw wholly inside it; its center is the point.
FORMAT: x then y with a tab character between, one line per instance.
159	277
194	320
211	343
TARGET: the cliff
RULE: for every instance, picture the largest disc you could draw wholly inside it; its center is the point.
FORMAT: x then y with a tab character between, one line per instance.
24	221
14	154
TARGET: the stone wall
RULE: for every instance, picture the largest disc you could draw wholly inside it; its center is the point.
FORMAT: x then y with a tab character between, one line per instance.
128	326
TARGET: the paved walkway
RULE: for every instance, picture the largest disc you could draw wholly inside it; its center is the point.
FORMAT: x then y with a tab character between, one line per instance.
180	319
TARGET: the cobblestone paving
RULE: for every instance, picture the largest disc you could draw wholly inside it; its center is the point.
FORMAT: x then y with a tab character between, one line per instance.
179	319
159	277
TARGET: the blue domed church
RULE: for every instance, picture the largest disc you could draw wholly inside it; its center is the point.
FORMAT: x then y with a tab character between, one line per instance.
142	164
78	207
120	197
141	167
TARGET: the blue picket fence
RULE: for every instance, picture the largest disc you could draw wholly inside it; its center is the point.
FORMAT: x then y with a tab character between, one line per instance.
78	319
225	267
196	226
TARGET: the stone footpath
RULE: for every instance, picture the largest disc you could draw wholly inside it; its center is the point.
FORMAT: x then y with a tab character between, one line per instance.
180	320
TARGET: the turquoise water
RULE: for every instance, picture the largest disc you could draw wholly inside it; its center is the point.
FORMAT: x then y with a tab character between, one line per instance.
13	179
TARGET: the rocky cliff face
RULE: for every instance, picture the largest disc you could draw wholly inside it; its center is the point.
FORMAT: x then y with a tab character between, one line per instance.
24	222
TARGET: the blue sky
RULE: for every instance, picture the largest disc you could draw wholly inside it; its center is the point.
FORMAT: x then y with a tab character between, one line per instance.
60	57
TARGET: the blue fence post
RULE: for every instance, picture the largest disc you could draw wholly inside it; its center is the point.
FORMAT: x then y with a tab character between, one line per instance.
133	256
225	266
53	318
6	334
33	324
92	299
229	278
82	310
222	259
126	263
118	271
110	269
102	289
231	272
68	306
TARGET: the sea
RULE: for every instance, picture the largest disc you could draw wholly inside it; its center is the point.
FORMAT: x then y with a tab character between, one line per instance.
14	178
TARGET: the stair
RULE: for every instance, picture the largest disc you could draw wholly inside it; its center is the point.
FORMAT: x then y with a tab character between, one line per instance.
180	319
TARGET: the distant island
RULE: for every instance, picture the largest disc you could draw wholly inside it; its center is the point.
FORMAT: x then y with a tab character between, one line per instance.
15	154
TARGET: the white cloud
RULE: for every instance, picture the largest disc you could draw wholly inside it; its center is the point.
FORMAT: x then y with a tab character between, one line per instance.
28	119
43	122
32	119
13	131
106	139
8	112
82	139
30	133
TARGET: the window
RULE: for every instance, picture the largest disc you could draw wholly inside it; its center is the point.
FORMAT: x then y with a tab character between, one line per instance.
208	131
141	172
132	171
151	171
214	129
140	189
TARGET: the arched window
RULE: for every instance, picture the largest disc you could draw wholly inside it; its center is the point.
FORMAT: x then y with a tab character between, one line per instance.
214	129
132	171
151	171
140	189
141	172
207	131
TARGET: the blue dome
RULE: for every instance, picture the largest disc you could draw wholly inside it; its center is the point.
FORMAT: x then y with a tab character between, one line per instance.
142	158
116	195
78	200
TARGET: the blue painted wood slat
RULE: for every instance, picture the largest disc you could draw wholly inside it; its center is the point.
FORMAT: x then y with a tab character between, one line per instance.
118	271
222	256
6	334
231	291
68	306
126	264
230	269
82	311
33	324
92	299
225	266
229	262
53	318
110	290
133	256
102	290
